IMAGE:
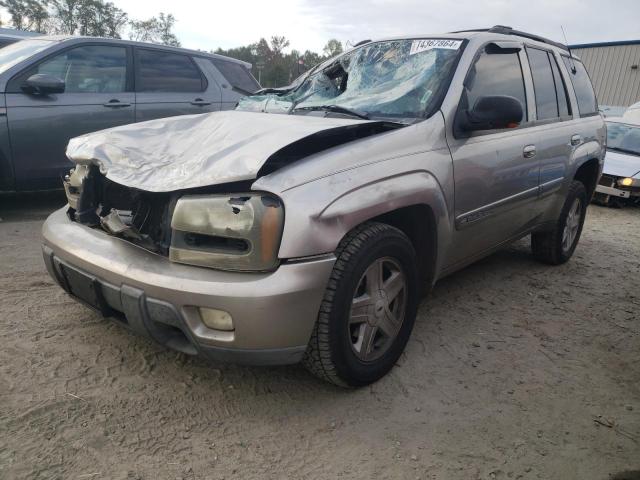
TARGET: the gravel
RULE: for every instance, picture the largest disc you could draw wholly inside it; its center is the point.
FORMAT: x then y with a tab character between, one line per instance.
514	370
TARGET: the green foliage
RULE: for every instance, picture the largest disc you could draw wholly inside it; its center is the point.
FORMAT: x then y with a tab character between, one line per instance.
275	68
85	17
333	48
27	14
98	18
155	30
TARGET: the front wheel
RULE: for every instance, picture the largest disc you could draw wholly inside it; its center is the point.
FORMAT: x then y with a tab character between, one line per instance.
368	310
557	246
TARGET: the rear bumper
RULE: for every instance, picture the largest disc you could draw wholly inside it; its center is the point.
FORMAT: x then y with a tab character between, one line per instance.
273	313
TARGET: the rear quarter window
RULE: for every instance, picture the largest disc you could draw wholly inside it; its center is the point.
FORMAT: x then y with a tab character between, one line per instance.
237	75
586	97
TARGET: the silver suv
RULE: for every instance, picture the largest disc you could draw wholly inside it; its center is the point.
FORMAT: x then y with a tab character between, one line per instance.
307	224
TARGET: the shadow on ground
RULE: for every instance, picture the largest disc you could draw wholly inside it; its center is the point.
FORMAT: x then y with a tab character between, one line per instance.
22	207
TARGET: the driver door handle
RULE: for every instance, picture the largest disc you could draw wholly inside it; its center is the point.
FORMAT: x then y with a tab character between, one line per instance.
199	101
529	151
115	103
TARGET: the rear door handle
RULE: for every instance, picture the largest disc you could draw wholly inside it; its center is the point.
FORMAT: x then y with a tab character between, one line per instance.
115	103
529	151
199	101
576	140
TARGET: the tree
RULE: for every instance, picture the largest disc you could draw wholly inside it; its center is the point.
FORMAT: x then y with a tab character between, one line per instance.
155	30
278	44
88	17
333	48
26	14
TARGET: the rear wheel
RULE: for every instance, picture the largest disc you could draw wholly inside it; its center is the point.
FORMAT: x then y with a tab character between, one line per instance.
557	246
368	310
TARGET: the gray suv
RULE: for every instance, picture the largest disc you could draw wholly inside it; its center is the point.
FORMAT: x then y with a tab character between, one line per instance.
56	88
307	224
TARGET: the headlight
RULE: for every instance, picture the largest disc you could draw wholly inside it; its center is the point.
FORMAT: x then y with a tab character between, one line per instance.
230	232
628	182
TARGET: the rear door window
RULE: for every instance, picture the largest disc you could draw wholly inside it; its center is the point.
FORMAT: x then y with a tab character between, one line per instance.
237	75
159	71
543	84
496	74
587	104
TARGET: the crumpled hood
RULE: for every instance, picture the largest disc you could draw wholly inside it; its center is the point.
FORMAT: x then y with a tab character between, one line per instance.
621	164
197	150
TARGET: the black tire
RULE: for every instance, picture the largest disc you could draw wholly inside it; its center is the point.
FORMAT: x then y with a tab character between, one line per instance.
548	246
330	354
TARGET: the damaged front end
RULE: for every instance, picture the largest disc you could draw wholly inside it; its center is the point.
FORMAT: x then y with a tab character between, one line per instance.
137	216
200	227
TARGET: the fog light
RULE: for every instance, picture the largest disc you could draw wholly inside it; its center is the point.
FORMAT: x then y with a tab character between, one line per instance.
216	319
626	182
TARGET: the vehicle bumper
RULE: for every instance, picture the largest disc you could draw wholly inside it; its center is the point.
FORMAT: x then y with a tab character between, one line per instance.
613	191
273	313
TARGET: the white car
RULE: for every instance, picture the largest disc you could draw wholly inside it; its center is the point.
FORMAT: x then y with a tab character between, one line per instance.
632	114
620	181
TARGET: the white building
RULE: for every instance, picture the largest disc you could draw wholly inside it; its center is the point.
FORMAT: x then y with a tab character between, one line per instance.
614	68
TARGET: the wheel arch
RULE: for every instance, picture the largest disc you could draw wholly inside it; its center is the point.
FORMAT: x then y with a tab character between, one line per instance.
414	203
418	223
588	173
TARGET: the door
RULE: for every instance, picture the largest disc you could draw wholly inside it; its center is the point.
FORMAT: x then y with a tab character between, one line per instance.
553	127
97	95
495	171
169	84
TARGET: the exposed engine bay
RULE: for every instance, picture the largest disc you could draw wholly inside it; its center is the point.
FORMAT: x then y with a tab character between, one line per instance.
140	217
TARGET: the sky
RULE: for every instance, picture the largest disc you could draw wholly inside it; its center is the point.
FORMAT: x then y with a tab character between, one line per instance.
308	24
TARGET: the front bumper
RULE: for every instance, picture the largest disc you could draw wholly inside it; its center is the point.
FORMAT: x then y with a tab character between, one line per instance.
273	313
608	185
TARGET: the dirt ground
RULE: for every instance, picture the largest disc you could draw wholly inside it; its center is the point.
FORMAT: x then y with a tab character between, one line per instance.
514	370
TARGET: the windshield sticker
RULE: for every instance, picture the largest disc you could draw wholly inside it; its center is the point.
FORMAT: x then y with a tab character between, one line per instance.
428	44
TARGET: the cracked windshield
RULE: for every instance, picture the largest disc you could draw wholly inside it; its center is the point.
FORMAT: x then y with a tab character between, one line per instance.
399	79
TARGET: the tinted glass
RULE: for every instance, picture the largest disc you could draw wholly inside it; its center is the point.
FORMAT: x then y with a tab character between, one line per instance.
89	69
497	74
543	84
167	72
19	51
587	104
561	89
237	75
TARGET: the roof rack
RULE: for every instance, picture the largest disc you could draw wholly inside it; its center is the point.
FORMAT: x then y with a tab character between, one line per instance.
504	30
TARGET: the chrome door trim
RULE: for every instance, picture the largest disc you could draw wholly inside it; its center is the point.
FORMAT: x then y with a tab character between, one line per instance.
485	211
551	186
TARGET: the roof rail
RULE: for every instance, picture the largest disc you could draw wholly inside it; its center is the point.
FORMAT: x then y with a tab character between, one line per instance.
504	30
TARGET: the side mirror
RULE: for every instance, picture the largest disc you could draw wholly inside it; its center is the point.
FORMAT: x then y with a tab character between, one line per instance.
43	84
493	112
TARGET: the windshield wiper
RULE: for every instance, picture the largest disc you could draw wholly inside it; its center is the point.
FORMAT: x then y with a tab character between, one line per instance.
335	109
623	150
